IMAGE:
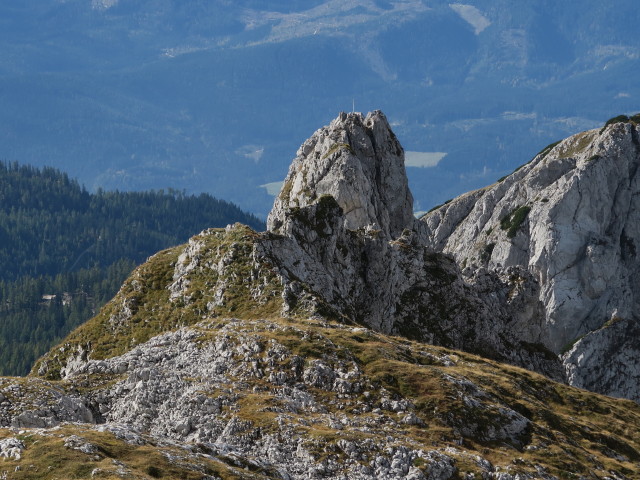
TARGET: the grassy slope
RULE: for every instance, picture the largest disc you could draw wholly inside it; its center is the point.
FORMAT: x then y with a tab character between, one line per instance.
47	457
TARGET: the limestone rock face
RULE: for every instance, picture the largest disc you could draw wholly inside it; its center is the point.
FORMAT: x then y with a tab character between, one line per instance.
40	404
360	163
606	360
571	219
343	228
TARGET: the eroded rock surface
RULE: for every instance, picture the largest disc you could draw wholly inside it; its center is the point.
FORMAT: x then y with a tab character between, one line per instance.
370	263
39	404
360	163
312	399
570	219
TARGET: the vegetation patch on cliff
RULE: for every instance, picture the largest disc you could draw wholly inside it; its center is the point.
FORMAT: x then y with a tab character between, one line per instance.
635	119
577	144
512	222
84	451
338	146
548	149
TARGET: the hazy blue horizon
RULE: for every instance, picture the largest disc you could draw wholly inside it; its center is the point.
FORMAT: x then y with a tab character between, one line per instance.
134	94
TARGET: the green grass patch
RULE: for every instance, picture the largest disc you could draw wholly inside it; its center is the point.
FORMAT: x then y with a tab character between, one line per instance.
577	144
548	148
514	220
142	308
614	120
286	190
338	146
635	119
46	457
441	205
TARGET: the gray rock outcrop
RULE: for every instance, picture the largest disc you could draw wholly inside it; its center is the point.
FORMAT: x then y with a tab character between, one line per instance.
360	163
343	228
11	448
570	220
40	404
239	394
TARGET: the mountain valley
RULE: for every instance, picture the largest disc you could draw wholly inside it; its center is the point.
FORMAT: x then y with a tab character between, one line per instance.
215	96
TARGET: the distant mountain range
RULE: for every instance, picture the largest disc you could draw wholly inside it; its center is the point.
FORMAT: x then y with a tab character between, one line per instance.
214	96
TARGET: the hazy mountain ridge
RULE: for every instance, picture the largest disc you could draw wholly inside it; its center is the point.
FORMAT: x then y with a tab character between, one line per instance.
136	94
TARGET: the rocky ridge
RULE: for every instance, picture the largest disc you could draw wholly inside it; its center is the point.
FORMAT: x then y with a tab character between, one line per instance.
569	220
299	353
305	399
343	227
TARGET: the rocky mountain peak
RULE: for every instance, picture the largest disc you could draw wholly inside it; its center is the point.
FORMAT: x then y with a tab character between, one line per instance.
570	218
360	163
346	233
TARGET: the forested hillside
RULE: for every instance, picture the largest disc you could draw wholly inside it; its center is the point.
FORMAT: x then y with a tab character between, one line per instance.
64	251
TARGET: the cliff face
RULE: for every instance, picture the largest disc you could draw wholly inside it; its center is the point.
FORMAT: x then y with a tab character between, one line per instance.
570	219
360	163
343	227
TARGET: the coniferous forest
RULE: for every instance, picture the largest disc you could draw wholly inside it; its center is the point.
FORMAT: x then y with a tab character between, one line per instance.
64	252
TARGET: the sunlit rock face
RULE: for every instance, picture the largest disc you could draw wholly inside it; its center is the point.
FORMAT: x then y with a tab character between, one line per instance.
344	228
360	163
571	219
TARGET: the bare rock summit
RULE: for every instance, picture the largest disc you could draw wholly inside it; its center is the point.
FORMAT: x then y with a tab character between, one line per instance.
343	228
360	163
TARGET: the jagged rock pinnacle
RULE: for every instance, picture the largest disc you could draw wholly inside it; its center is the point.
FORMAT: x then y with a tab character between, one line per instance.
360	163
346	235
